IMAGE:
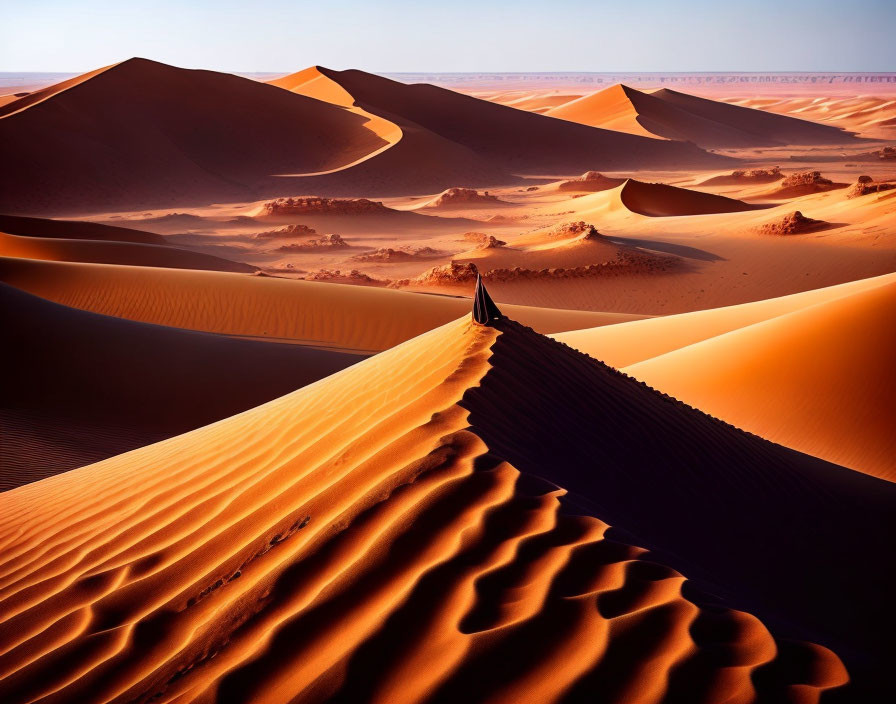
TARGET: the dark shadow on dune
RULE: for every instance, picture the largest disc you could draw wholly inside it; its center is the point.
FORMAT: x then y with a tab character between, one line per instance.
680	250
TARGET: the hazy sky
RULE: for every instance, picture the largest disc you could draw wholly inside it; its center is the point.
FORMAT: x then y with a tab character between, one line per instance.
453	35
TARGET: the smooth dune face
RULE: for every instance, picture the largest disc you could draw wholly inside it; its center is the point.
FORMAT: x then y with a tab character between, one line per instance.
624	345
363	537
305	312
151	133
818	379
99	252
661	200
83	387
73	229
709	123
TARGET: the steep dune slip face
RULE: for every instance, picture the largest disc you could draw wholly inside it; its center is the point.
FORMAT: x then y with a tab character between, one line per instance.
660	200
365	539
81	387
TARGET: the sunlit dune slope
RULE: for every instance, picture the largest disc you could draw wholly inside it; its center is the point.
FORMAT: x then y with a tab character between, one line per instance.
820	380
515	140
623	345
104	252
82	387
365	538
305	312
708	123
74	230
142	133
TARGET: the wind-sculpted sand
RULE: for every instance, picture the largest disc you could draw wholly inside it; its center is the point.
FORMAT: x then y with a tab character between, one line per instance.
368	537
280	310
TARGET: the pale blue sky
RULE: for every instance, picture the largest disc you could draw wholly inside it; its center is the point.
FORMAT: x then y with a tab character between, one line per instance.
453	35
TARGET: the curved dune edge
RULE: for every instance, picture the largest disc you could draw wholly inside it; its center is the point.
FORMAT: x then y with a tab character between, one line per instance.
354	318
107	252
335	545
629	343
312	83
660	200
87	386
819	380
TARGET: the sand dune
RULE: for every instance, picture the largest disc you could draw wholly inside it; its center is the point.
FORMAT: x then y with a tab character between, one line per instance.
100	252
304	312
511	139
709	123
150	134
87	386
819	380
624	345
368	538
75	230
660	200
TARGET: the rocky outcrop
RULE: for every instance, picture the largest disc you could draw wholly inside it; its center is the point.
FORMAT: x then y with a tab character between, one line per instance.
590	181
354	277
323	206
403	254
327	243
483	240
865	185
794	223
288	232
569	230
463	196
806	178
746	176
447	274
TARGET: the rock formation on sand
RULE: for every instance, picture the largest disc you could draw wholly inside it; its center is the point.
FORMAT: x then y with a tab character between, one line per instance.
745	176
590	181
794	223
449	274
491	242
313	205
866	185
327	243
288	232
338	276
402	254
480	509
804	183
573	229
461	197
483	240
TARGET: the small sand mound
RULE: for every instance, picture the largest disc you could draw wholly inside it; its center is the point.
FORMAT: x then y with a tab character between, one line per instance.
743	176
794	223
865	185
590	181
288	232
402	254
327	243
323	206
460	197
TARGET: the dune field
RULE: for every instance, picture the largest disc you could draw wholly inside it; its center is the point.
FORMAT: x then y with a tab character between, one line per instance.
330	386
